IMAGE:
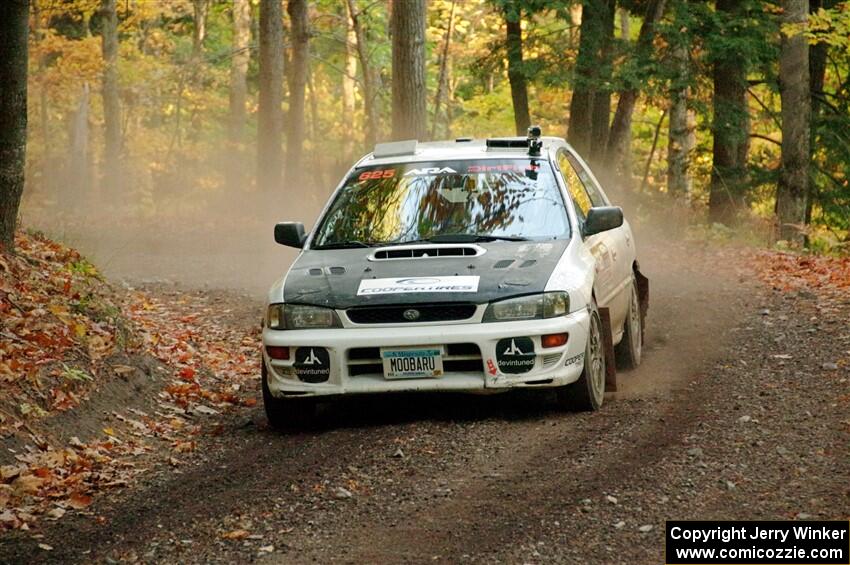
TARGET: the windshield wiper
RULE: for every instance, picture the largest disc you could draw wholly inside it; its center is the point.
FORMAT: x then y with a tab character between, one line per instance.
350	244
472	237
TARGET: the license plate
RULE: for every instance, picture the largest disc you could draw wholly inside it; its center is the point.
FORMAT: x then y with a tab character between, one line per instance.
412	363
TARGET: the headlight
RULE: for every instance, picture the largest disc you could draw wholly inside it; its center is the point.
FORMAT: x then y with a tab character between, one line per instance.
532	307
300	317
274	317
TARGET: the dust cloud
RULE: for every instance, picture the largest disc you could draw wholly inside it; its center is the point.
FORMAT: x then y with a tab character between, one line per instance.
215	239
210	241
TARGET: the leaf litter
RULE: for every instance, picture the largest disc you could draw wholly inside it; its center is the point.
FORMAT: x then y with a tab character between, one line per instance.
60	323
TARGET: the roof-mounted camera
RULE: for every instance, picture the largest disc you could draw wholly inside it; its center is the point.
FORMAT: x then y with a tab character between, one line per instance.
535	144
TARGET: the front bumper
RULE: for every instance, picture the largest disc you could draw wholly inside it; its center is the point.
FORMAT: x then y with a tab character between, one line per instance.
351	373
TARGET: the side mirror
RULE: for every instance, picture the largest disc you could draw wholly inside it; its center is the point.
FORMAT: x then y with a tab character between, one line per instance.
290	234
603	218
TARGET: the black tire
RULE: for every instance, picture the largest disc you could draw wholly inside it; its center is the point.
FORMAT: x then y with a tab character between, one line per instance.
588	392
630	349
287	414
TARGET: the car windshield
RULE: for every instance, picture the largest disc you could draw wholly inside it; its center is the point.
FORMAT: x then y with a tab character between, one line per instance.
513	199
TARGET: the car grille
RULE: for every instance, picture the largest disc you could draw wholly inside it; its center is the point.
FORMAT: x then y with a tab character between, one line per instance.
427	313
458	358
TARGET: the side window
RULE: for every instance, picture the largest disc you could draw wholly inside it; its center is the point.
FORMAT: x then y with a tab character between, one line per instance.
574	184
592	190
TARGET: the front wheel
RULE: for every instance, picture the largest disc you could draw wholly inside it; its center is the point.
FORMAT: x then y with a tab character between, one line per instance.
588	392
283	413
630	348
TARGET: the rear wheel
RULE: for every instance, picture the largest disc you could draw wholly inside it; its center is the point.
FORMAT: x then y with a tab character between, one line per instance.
630	348
588	392
286	413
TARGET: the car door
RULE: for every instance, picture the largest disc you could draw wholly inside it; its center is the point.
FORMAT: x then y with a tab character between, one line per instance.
621	246
600	245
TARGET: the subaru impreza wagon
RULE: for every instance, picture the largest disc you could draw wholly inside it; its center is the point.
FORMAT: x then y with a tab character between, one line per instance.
465	265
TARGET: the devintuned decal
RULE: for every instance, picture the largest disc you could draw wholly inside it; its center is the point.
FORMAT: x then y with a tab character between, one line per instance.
574	360
515	355
410	285
312	364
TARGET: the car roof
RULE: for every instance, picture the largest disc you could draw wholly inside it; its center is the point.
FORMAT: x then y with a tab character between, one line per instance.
461	148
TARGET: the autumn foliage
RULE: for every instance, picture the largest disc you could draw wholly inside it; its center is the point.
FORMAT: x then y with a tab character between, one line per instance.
59	321
64	334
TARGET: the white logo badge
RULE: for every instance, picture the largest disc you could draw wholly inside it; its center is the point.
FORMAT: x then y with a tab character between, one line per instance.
312	359
513	349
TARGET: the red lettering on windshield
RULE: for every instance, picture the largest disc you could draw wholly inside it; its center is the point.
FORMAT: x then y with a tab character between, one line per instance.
379	174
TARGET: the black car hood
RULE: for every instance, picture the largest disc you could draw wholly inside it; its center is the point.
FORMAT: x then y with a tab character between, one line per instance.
332	278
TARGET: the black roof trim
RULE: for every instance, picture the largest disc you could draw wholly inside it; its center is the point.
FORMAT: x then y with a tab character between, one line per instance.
515	142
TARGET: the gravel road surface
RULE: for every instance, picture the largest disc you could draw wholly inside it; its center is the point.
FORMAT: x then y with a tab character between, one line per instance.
738	412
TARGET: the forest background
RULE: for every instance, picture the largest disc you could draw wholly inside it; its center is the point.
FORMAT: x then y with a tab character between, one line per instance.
732	114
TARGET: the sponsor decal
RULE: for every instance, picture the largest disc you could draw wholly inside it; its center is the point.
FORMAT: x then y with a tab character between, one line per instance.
491	367
312	364
515	355
430	171
378	174
574	360
412	285
492	168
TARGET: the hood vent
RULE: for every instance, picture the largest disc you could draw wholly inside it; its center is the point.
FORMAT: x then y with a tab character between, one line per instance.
426	252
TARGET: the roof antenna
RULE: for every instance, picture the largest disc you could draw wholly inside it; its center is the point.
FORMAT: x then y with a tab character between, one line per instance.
534	142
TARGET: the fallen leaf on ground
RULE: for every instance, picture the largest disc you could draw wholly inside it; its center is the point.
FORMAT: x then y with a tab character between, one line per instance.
236	534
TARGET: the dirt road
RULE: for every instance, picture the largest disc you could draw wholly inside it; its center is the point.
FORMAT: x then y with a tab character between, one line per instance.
736	413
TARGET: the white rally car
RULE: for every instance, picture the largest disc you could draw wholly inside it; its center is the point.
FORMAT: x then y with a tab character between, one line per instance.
468	265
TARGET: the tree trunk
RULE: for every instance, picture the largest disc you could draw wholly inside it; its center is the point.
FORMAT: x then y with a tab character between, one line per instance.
575	22
14	28
370	77
617	157
731	128
318	161
47	164
681	135
407	25
349	78
241	47
269	111
817	56
451	84
201	9
297	10
111	101
625	24
443	77
78	154
817	72
516	71
590	104
602	96
652	149
793	189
